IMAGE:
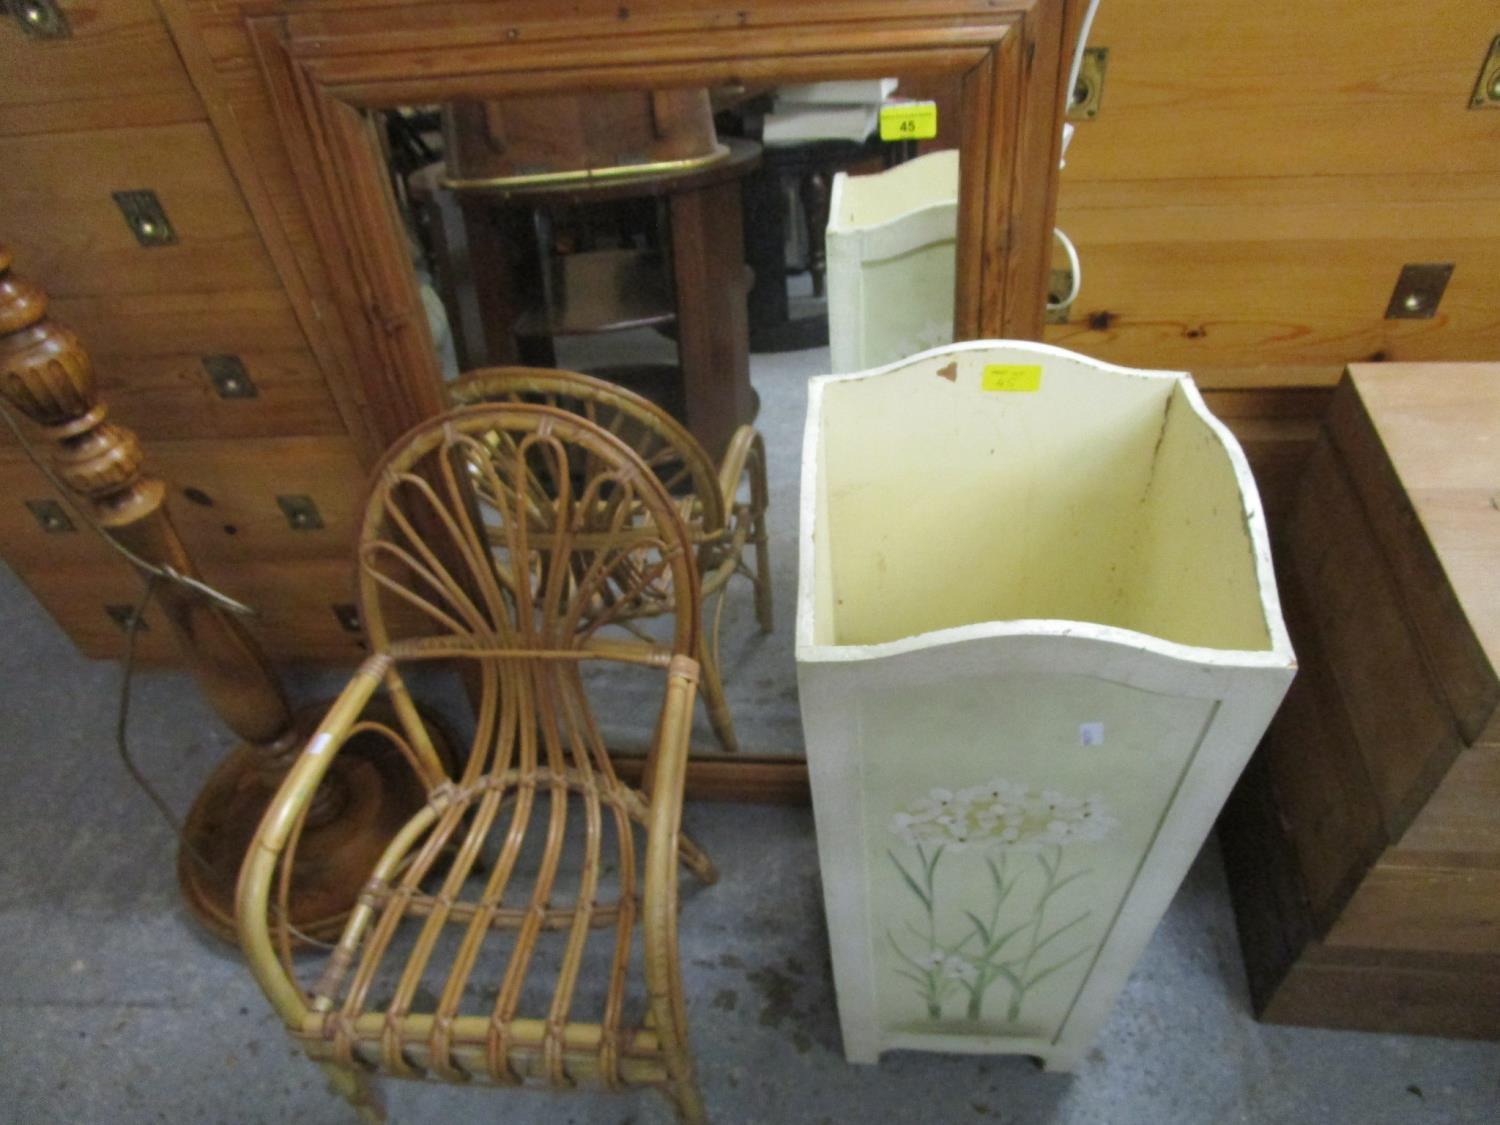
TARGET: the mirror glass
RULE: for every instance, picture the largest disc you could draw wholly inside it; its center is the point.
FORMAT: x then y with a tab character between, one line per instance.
708	250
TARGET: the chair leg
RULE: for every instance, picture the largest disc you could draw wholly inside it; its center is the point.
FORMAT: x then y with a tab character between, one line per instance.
696	860
688	1102
358	1089
759	502
713	690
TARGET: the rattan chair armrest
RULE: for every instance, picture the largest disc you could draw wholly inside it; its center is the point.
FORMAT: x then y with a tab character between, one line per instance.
659	895
732	468
252	897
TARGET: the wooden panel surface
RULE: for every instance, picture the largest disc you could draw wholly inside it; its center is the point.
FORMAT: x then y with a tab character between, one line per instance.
1207	274
1403	728
1435	426
1326	804
1460	667
59	218
118	68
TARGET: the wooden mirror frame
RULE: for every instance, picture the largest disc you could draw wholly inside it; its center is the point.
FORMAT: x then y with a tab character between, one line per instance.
324	63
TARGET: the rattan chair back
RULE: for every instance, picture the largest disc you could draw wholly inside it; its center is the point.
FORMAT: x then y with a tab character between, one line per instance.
658	439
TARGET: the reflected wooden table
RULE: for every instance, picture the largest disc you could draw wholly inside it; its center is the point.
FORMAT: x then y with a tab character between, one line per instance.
508	301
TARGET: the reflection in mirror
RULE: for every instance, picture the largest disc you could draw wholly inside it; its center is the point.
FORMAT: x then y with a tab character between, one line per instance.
708	250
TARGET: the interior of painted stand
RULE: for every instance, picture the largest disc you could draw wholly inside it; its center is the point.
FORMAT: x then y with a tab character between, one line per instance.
1097	497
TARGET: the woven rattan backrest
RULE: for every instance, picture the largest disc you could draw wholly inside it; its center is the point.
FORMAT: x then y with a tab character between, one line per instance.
517	530
673	454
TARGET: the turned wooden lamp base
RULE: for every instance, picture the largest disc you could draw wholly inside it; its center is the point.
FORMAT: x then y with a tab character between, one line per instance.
370	792
46	375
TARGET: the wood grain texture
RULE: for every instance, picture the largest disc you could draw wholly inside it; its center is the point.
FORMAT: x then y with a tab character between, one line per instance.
1374	803
118	68
47	376
1317	780
170	398
765	779
154	324
1378	990
56	208
388	53
1440	514
1460	817
1403	728
713	331
1423	904
1299	89
1235	202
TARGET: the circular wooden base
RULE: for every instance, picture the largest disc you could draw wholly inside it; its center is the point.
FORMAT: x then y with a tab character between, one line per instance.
374	793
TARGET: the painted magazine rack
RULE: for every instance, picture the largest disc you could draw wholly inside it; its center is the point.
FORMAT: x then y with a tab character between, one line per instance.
1038	637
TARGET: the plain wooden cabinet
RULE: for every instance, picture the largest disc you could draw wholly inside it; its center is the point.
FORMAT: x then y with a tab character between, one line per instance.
1364	842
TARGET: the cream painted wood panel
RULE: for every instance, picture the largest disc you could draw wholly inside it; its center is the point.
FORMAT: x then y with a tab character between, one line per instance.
891	258
1037	639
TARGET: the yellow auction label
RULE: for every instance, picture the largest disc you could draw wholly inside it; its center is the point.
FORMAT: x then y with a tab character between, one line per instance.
908	121
1011	377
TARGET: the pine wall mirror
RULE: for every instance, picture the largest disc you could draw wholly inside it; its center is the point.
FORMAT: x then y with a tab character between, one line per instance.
299	93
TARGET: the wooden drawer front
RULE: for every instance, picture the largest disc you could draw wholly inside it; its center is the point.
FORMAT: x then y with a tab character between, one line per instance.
1415	902
297	623
239	481
1177	89
171	398
169	324
68	233
1448	642
1282	247
1402	726
118	68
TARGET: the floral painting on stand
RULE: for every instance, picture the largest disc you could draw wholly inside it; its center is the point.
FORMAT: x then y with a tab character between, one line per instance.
982	963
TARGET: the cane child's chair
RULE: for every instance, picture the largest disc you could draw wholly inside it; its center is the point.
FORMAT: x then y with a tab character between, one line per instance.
512	930
720	524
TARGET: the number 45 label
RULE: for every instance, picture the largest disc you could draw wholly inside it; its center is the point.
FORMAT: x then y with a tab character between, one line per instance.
908	121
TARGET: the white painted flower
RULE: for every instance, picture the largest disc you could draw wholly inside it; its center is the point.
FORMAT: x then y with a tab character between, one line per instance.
959	969
932	960
1005	814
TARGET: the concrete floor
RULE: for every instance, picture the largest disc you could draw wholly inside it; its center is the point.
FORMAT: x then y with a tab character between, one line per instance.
113	1007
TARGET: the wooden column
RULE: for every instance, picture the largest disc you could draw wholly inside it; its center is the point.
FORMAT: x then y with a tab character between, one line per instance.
713	330
46	374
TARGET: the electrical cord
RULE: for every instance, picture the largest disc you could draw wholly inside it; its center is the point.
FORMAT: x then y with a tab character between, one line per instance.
1075	267
122	749
1075	270
1083	41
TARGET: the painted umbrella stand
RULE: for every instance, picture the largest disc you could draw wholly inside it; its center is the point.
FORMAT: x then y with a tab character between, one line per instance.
891	246
1038	638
